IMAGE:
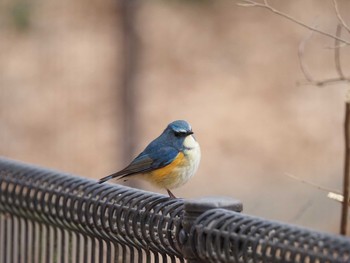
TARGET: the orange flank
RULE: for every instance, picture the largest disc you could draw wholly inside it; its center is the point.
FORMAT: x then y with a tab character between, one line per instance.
168	175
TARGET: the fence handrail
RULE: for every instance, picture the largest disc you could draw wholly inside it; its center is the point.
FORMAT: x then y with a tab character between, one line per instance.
109	212
144	226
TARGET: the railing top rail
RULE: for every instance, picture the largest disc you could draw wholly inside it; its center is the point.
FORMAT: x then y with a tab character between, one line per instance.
205	230
109	211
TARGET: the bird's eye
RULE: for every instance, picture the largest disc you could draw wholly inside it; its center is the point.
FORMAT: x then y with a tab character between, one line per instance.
180	134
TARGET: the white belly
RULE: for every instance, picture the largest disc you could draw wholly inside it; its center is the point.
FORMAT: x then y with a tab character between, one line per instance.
192	156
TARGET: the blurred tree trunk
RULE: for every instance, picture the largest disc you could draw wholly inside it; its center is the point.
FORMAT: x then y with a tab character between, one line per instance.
346	180
130	56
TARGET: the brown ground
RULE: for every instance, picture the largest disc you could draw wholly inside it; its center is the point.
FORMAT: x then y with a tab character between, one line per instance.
232	72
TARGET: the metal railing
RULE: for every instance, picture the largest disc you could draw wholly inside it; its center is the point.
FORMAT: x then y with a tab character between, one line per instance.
49	216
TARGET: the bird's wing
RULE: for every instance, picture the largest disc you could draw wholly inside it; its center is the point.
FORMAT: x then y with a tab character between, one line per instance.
145	162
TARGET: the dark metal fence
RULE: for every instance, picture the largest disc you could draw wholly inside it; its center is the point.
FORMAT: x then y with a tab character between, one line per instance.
48	216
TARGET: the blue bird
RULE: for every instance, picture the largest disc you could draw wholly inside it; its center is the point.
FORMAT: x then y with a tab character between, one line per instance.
169	161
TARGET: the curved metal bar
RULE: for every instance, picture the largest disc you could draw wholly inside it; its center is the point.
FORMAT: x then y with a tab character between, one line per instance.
107	213
220	235
112	222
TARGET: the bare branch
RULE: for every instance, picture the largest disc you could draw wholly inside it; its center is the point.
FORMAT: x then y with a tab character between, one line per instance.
337	53
245	5
309	79
325	82
322	188
338	46
267	6
340	18
301	50
331	193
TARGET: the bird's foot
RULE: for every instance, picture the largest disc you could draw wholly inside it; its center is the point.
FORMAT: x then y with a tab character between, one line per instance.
171	195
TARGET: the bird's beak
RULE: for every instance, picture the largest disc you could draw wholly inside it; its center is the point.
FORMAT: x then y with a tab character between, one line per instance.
190	132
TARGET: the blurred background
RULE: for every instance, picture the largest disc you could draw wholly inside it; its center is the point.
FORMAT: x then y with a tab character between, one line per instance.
86	85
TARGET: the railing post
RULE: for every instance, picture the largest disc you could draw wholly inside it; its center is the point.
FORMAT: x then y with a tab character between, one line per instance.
192	210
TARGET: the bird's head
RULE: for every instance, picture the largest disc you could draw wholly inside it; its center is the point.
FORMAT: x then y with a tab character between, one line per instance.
180	128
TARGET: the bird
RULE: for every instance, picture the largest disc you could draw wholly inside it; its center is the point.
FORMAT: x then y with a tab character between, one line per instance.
168	162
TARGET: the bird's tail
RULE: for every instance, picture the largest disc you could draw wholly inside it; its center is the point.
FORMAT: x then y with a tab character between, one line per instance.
109	177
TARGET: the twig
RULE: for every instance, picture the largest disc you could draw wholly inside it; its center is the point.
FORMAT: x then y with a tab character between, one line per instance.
325	82
340	18
266	5
331	194
301	211
301	50
322	188
320	83
337	53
